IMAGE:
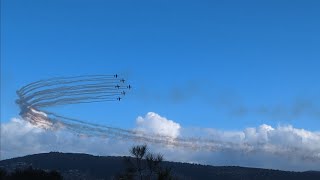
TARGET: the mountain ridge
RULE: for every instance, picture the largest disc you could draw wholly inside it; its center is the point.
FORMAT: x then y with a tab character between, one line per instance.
76	165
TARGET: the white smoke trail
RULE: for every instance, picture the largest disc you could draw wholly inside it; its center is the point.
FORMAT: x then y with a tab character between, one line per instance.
34	97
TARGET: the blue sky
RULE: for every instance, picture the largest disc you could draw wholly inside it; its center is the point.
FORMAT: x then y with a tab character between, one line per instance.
225	65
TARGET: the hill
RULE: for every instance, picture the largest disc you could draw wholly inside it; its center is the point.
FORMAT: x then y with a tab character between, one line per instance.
84	166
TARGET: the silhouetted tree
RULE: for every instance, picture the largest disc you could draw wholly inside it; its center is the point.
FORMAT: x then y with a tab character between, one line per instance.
3	173
144	165
165	174
30	173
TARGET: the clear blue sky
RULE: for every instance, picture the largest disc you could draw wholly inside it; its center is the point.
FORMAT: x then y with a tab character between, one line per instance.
225	65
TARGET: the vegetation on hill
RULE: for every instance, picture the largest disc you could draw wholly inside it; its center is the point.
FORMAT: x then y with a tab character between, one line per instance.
29	173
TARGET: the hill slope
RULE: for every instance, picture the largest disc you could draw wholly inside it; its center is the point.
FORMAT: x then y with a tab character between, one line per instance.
84	166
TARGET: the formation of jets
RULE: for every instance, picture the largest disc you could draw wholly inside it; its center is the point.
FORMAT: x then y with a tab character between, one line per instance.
118	86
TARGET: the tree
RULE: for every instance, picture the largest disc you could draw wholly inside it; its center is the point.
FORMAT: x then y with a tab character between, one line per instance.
3	173
30	173
144	165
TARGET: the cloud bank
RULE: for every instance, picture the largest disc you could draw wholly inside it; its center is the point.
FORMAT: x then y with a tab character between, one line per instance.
282	147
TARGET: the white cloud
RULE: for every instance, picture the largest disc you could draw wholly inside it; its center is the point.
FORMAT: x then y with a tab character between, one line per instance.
282	147
154	123
19	138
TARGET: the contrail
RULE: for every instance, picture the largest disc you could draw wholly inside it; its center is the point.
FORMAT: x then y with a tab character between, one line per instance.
33	98
36	96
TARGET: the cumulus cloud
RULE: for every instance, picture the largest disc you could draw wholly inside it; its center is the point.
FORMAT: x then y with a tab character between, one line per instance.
154	123
282	147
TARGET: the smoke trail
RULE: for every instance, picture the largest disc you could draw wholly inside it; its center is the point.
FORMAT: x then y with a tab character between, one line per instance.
36	96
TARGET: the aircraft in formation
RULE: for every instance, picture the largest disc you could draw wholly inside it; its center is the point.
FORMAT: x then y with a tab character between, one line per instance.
118	86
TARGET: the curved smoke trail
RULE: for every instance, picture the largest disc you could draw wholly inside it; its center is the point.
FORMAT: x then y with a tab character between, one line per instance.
36	96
